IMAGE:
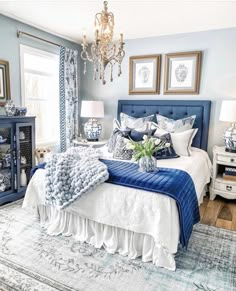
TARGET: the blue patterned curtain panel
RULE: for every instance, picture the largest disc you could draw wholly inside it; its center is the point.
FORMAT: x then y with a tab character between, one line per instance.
69	97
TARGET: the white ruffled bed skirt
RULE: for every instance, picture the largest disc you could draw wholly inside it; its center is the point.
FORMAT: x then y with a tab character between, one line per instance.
113	239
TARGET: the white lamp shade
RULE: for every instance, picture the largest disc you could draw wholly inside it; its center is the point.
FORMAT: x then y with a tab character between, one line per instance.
228	111
92	109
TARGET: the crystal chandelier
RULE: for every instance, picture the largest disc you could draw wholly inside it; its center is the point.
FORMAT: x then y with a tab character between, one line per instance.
103	50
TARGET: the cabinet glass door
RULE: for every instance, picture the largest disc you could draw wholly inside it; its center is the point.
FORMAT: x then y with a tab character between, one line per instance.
7	160
25	159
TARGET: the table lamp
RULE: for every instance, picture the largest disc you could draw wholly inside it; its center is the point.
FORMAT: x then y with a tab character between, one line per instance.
228	114
92	110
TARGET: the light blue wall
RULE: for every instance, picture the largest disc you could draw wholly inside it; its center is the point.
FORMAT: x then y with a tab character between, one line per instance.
10	49
218	76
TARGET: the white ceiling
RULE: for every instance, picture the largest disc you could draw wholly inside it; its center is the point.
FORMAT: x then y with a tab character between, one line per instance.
136	19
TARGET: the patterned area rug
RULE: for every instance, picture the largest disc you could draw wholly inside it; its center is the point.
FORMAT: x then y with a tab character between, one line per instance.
32	260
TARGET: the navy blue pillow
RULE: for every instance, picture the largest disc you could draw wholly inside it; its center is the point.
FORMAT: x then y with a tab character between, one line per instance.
166	153
138	135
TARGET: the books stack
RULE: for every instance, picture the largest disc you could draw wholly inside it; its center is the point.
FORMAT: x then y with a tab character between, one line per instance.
229	174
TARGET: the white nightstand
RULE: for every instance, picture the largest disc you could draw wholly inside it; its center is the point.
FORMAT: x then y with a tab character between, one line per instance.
220	186
91	144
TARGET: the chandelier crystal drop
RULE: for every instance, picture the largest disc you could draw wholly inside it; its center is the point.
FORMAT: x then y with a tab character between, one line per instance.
103	50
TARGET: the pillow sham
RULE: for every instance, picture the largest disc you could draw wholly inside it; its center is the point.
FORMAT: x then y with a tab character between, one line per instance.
120	150
182	141
134	123
172	125
168	152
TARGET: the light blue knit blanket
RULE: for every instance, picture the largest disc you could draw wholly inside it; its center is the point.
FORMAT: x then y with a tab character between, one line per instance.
71	174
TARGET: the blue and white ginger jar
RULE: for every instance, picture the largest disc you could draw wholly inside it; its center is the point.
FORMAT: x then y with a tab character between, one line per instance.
10	108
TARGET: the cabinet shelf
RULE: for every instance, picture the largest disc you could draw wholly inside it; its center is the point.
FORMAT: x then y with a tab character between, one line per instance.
25	141
4	193
5	168
22	189
26	166
220	179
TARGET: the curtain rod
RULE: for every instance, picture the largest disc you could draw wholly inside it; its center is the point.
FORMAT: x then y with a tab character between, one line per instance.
21	33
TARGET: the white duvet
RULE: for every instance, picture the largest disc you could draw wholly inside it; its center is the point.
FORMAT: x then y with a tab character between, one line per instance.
131	209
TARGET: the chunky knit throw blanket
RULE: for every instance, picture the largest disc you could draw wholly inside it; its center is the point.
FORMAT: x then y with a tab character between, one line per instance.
71	174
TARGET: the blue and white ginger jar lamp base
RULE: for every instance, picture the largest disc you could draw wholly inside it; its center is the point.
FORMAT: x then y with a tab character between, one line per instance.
92	129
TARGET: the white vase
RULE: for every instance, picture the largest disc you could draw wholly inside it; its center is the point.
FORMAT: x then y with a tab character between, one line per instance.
23	178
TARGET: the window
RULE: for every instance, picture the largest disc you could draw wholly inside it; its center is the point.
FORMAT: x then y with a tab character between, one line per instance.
40	92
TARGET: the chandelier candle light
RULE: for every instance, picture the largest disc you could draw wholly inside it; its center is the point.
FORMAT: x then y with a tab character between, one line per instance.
103	50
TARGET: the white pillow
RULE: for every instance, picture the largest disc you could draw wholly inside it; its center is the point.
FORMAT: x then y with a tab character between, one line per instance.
160	132
182	141
172	125
139	124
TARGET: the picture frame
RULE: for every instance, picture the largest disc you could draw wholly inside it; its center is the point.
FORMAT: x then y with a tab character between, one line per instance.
144	74
182	73
5	93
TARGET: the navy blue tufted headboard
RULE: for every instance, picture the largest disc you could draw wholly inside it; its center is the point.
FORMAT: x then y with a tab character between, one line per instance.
174	109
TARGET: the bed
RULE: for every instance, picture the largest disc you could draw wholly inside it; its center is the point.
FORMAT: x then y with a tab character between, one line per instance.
131	222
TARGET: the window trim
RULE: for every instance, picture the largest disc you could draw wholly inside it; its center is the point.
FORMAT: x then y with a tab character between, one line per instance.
37	52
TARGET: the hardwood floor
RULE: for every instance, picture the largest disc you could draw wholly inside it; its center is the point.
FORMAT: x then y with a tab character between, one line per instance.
219	212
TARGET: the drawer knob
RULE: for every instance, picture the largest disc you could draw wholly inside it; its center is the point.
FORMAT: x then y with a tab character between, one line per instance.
229	188
232	160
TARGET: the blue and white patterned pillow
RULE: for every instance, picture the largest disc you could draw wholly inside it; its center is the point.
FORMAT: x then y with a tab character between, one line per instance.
135	123
171	125
120	150
113	138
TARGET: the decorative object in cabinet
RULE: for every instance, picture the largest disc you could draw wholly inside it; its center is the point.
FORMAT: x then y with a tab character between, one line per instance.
23	178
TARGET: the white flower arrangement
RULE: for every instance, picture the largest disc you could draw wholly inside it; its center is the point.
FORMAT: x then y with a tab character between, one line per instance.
147	147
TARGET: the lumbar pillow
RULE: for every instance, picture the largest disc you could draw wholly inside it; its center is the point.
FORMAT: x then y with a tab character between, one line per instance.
134	123
182	141
137	135
120	151
167	152
171	125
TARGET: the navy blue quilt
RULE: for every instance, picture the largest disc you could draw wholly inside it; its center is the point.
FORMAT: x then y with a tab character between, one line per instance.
174	183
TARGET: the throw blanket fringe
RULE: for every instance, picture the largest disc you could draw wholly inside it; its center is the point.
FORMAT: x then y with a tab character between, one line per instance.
71	174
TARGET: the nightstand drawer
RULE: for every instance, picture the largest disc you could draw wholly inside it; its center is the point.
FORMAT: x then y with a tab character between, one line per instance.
226	159
225	187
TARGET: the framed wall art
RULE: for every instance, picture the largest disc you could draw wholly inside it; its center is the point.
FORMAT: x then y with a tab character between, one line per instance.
144	74
182	73
5	93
